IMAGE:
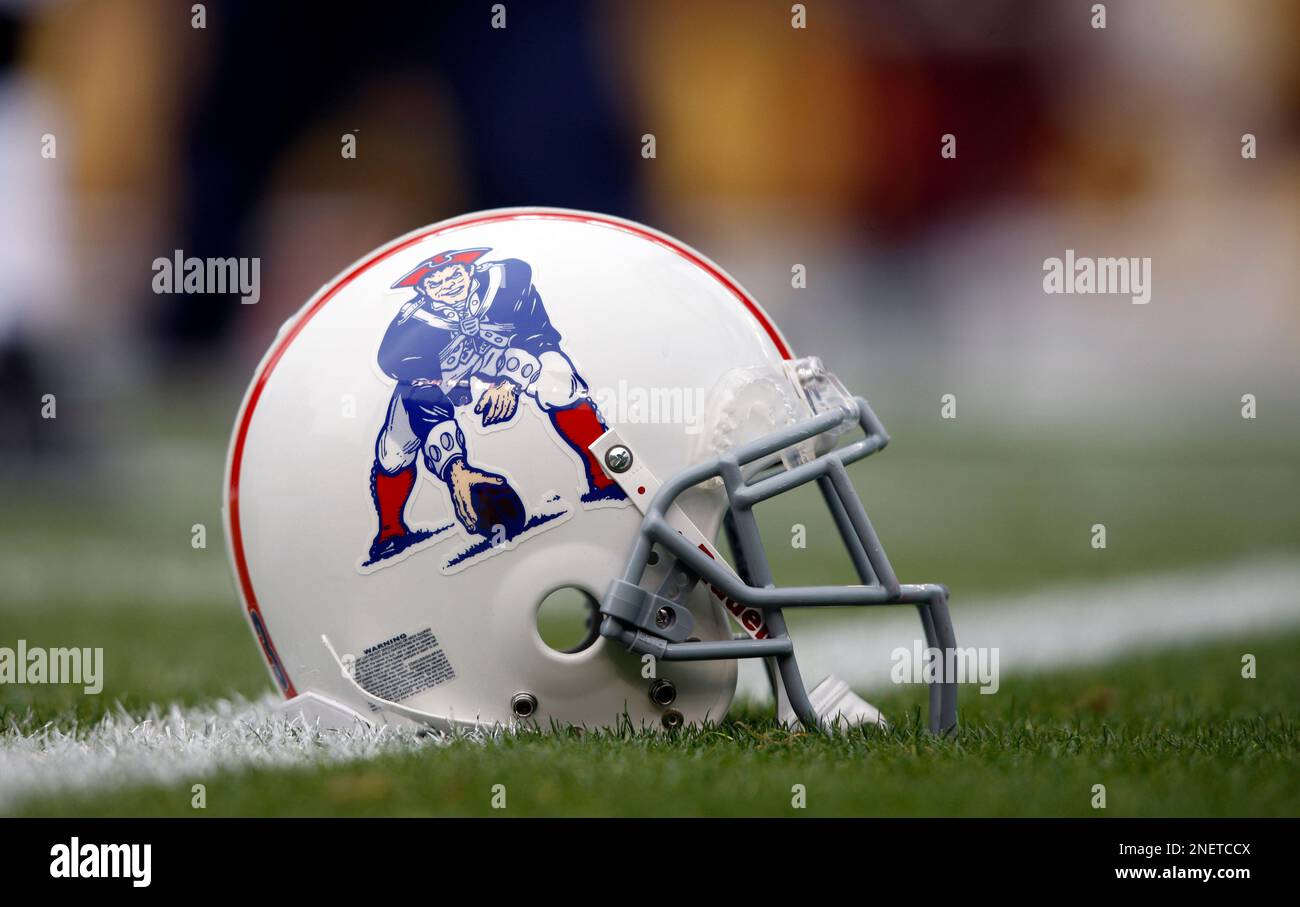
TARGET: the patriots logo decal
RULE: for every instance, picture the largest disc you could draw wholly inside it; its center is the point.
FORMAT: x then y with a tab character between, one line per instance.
473	322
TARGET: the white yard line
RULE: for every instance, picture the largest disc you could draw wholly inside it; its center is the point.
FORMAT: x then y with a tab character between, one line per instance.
177	747
1060	627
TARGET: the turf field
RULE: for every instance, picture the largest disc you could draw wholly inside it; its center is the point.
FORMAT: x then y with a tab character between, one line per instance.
1168	729
1179	734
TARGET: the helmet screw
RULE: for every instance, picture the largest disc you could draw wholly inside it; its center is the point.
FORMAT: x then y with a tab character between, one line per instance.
665	618
672	719
524	705
618	458
662	692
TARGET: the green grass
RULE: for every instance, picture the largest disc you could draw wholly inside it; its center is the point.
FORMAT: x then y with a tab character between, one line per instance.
1175	734
151	655
992	518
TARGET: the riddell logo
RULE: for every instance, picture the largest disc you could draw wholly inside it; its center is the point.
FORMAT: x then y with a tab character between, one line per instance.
750	618
102	861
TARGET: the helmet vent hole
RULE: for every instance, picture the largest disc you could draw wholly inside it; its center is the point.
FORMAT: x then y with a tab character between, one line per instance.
524	705
663	693
568	620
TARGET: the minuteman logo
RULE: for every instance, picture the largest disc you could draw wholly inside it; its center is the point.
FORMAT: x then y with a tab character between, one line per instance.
102	861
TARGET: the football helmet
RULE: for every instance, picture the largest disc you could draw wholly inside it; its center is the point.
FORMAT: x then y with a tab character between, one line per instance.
519	401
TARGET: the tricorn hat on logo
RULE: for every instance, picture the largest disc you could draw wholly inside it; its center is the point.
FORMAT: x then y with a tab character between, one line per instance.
442	260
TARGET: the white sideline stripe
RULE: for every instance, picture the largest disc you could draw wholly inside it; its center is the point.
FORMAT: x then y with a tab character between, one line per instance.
1063	626
179	747
1066	626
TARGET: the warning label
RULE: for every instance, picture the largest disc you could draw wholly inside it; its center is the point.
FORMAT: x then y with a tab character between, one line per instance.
398	668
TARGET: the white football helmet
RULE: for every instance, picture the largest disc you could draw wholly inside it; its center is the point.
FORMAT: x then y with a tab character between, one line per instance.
519	401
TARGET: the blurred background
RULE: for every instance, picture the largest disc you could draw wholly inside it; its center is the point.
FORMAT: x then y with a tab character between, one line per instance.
775	146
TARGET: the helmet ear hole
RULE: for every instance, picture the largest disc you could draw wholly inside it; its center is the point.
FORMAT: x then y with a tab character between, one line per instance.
568	620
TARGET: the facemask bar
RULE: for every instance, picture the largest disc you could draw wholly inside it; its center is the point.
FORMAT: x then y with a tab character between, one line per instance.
754	586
